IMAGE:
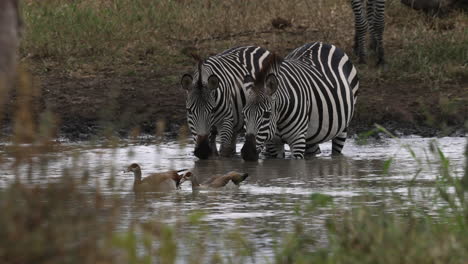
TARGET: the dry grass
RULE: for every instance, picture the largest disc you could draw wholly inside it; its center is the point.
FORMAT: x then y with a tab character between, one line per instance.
91	37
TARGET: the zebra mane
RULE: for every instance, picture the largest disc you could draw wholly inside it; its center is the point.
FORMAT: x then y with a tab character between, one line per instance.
196	56
270	63
200	82
200	61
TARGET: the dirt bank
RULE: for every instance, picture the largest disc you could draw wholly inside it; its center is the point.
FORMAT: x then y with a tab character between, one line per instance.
99	105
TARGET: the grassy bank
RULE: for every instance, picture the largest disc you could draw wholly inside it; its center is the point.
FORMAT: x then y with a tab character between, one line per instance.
119	61
67	221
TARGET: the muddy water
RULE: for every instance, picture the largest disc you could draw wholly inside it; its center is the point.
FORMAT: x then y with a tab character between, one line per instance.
267	203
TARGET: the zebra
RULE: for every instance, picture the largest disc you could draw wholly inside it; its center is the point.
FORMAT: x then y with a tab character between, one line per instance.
375	20
304	99
215	98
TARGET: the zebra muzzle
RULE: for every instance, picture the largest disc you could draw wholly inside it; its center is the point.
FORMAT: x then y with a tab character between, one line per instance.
202	147
249	150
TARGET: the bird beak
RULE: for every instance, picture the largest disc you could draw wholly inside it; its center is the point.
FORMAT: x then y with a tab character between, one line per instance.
185	177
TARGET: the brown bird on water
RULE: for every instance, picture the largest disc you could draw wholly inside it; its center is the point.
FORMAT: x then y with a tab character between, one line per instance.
155	182
215	182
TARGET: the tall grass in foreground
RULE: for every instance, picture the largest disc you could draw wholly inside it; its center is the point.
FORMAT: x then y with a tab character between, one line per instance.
64	221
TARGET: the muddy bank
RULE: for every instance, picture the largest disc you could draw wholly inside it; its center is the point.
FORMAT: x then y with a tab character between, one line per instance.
120	105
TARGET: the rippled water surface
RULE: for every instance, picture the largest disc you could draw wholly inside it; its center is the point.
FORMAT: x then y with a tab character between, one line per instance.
267	202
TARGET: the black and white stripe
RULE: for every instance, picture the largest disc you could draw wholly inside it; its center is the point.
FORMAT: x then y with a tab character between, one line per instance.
215	95
306	99
374	19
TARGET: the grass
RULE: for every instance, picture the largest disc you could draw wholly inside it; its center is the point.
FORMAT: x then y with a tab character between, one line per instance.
139	49
130	36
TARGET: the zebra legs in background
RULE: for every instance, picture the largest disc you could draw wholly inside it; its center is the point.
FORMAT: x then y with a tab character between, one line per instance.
338	143
360	28
376	27
375	20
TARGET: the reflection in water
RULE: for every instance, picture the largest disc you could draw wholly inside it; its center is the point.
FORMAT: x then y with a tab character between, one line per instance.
265	203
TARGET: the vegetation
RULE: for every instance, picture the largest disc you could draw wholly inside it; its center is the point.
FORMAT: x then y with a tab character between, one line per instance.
66	221
87	37
103	53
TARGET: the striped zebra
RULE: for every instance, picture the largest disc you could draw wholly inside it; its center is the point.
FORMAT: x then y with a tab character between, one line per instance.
306	99
374	19
215	98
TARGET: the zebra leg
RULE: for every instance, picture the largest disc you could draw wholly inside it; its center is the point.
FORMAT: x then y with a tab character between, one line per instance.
227	138
377	29
338	143
370	11
298	146
360	30
214	148
275	149
312	149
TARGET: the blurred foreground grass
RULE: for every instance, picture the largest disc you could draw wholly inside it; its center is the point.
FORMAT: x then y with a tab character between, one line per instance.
67	221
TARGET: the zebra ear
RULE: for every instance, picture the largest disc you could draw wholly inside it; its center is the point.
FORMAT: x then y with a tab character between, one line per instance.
248	81
213	82
186	81
271	84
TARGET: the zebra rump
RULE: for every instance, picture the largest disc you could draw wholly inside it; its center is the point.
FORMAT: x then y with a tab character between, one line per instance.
306	99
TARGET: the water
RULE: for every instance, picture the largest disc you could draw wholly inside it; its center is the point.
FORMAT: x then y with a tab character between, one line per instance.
266	203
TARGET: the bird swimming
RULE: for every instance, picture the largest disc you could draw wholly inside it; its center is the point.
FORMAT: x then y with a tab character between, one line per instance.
155	182
215	182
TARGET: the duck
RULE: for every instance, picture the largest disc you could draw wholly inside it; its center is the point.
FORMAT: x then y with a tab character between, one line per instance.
156	182
215	182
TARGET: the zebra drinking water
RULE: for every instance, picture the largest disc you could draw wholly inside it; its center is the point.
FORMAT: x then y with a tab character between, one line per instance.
375	20
215	98
306	99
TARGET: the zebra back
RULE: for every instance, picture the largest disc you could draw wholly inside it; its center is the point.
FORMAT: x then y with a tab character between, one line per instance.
326	63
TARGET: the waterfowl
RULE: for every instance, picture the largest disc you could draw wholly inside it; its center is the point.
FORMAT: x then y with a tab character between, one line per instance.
215	182
155	182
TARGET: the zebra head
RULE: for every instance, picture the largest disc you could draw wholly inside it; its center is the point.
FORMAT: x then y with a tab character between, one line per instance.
259	111
200	105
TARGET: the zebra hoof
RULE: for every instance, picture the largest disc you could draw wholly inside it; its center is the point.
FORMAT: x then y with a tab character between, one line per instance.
249	150
298	157
202	148
227	152
336	153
